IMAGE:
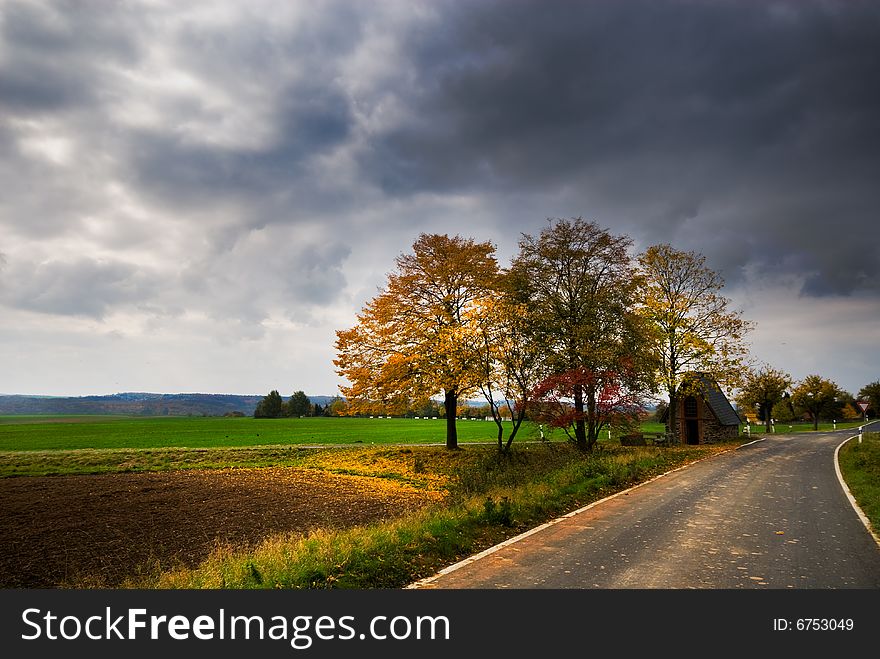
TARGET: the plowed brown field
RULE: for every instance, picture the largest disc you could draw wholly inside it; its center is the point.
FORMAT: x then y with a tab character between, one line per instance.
97	531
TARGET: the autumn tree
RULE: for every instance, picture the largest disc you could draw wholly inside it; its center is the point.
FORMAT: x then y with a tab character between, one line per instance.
817	396
850	413
613	402
511	363
695	329
412	340
763	389
338	407
845	406
577	285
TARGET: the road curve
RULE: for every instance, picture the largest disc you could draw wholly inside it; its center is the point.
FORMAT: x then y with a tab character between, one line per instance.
771	514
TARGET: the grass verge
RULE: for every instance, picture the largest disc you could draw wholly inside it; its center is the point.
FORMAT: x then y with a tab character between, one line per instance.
860	466
105	461
488	498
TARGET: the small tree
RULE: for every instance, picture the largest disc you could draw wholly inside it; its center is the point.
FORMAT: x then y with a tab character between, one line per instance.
614	403
783	411
817	397
764	388
271	407
299	405
338	407
850	413
510	363
660	410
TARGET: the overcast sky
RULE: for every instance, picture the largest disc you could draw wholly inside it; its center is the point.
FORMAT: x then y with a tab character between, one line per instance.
194	196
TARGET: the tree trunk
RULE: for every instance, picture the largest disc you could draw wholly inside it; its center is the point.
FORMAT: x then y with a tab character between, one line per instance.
592	421
672	417
580	429
496	416
451	403
521	415
768	407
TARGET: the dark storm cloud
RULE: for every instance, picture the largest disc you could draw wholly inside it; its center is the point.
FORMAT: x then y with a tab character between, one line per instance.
53	51
696	116
746	131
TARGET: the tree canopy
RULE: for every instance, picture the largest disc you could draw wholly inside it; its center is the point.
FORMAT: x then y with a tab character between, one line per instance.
695	329
415	338
578	286
818	397
271	407
762	390
299	405
576	332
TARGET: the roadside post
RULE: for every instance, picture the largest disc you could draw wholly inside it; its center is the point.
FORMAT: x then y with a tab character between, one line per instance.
864	406
861	428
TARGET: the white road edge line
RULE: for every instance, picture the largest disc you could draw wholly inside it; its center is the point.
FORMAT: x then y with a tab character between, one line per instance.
491	550
754	441
849	495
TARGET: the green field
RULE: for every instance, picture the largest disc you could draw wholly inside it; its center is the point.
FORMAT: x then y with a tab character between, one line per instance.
36	433
47	433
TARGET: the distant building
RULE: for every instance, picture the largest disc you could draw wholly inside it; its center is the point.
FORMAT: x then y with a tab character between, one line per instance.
705	417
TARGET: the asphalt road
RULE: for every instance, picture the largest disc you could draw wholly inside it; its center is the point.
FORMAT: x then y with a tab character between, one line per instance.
771	514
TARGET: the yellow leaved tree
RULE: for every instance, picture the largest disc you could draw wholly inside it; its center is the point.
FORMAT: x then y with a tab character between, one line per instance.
415	338
695	329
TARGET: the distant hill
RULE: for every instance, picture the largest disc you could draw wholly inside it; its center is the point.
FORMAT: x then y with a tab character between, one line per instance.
137	404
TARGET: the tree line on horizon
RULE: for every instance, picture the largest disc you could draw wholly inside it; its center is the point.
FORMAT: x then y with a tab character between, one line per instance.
771	396
273	406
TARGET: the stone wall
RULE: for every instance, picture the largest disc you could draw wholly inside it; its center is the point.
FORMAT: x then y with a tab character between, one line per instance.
713	431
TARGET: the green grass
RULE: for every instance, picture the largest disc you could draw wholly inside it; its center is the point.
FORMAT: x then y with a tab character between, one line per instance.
108	432
490	498
487	497
43	446
860	466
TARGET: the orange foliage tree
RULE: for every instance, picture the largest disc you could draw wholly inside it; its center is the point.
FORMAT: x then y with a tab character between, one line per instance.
415	338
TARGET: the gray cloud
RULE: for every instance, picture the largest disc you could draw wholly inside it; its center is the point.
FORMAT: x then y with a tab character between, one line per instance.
81	287
54	51
256	166
676	116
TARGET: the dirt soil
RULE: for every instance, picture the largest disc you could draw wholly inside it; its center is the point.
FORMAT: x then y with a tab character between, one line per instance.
87	531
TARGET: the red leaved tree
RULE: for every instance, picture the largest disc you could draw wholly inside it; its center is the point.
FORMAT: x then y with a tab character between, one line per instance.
614	403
